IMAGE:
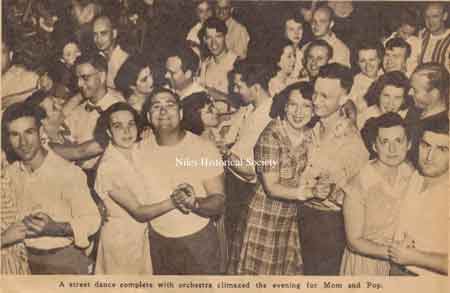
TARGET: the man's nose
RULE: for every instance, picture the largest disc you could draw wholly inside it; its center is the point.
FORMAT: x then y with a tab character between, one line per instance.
392	147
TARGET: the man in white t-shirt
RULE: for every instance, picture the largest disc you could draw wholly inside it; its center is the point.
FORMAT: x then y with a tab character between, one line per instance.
423	246
183	241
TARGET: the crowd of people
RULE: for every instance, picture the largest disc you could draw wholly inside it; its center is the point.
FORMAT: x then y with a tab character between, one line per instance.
131	145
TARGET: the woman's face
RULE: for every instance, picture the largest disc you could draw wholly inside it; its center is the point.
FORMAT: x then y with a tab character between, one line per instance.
70	53
299	110
294	31
144	82
287	59
204	11
392	145
209	115
122	129
391	99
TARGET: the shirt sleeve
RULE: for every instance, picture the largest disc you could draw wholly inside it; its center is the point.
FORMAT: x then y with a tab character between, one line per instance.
85	216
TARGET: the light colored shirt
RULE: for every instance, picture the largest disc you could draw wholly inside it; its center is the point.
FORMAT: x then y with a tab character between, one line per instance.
340	156
17	84
116	61
361	84
193	33
424	219
416	47
193	160
278	83
82	122
252	125
237	38
60	190
215	75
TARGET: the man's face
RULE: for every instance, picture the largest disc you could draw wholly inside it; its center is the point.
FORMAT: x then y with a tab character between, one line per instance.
164	112
317	57
392	145
104	35
369	62
6	59
435	18
241	88
327	95
174	73
223	9
215	41
90	80
420	91
395	59
204	11
321	23
433	154
24	138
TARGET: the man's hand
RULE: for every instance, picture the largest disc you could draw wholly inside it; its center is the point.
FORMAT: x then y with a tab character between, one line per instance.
184	197
323	188
403	252
39	224
16	232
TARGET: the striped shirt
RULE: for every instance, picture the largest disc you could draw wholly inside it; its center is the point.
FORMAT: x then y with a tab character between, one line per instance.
436	48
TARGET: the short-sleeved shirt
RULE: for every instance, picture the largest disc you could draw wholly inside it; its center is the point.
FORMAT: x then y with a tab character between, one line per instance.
192	160
215	75
237	38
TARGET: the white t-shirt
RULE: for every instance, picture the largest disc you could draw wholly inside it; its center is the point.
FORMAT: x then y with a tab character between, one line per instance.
193	160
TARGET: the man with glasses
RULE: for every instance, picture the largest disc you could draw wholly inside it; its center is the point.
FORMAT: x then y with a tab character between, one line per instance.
184	240
237	38
91	71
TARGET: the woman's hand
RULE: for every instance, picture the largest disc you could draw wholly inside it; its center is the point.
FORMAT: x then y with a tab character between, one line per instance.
16	232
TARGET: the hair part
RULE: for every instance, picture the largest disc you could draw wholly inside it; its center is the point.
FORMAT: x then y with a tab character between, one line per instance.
340	72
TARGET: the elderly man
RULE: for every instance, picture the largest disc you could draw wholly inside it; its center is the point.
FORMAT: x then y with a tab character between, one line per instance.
182	242
53	197
237	38
436	35
105	39
322	24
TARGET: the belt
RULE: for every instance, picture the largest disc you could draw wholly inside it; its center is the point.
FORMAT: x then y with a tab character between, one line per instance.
37	251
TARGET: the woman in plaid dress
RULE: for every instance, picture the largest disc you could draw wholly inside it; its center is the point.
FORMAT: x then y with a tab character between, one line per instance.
268	238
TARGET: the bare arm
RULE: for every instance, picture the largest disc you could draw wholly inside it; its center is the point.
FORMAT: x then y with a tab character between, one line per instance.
241	167
86	150
404	255
141	213
213	204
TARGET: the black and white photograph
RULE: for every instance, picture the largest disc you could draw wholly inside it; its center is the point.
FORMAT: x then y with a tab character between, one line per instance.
225	138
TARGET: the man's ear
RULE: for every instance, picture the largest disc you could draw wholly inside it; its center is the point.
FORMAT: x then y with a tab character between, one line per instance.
103	77
114	34
445	15
108	132
181	113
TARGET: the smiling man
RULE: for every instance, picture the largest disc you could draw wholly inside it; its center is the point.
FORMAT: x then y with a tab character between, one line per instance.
105	39
53	197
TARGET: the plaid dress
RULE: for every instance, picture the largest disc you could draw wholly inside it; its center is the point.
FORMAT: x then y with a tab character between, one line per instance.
267	240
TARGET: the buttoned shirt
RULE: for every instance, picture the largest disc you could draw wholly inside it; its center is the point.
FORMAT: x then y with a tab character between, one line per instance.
17	84
58	189
237	38
341	156
83	120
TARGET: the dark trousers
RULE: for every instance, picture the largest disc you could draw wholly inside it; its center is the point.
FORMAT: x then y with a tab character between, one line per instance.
322	238
196	254
237	200
68	260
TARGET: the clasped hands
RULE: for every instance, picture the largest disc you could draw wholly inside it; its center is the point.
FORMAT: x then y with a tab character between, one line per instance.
34	225
403	252
183	197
